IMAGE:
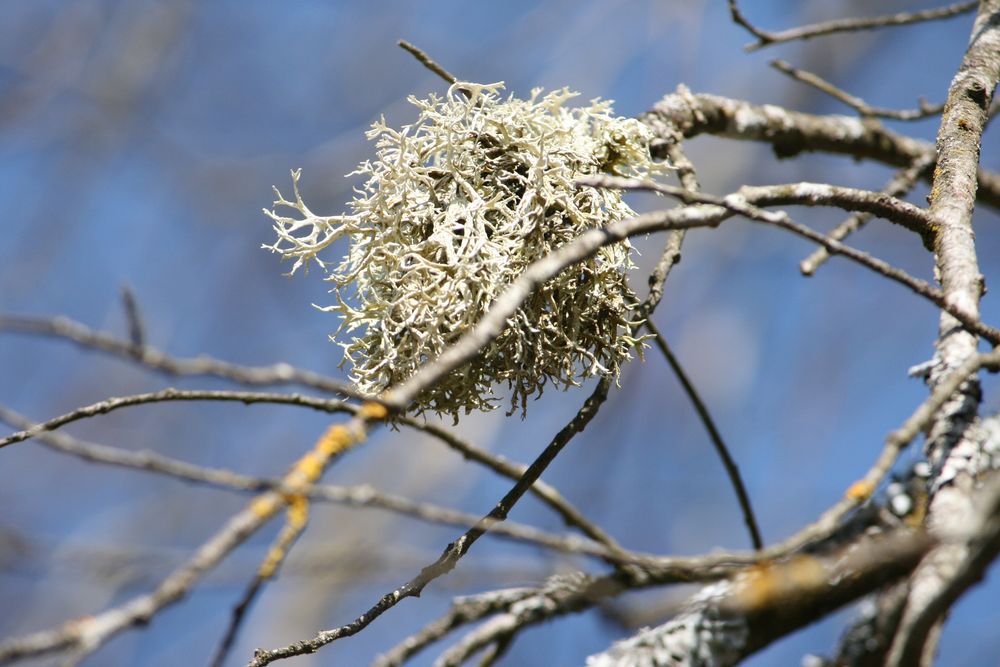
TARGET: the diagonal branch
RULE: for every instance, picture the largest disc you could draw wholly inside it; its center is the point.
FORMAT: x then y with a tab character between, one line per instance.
766	38
732	470
454	551
84	636
863	108
901	183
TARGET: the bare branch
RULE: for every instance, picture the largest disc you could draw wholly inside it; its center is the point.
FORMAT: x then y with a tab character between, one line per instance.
454	551
170	395
901	183
150	357
801	193
765	38
133	316
792	132
732	470
856	103
428	62
545	492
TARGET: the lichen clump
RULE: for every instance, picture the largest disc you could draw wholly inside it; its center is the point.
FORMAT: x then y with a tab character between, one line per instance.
454	207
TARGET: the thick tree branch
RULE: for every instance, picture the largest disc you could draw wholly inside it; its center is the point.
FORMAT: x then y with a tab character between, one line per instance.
952	200
792	132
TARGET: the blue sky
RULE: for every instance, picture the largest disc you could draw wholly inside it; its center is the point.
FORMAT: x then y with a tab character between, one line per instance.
138	144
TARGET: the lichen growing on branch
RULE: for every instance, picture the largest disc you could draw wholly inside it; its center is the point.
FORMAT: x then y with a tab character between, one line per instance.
453	209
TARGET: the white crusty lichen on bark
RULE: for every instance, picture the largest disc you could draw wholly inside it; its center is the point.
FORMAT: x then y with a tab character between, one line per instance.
699	636
453	208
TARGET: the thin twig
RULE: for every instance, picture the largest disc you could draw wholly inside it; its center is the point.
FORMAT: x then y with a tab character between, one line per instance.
745	203
427	61
133	318
154	359
171	395
454	551
296	518
732	470
856	103
86	635
355	496
901	183
545	492
765	38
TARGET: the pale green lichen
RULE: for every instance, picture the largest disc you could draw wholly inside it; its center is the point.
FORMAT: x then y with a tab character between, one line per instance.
453	209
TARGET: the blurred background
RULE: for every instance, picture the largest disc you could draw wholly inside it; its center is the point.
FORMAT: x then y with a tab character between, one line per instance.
138	143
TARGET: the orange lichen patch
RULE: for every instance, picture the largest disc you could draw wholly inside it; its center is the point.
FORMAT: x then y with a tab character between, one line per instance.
265	505
298	510
308	469
298	514
770	584
336	439
373	411
270	563
860	490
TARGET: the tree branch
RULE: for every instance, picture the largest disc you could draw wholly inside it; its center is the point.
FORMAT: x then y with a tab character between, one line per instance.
765	38
154	359
952	200
732	470
791	132
863	108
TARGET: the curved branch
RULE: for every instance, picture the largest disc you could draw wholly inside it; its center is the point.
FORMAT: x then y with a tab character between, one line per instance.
732	470
864	109
168	395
